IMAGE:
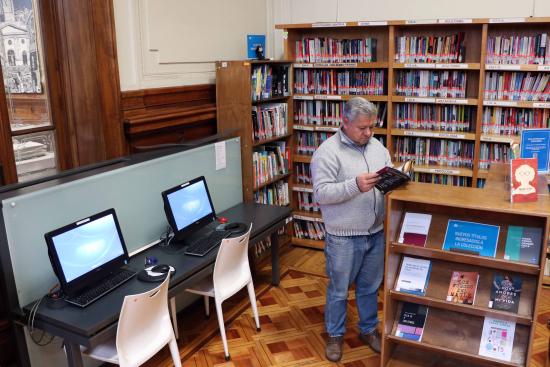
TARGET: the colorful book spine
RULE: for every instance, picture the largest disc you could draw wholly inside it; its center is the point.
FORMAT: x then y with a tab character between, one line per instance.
434	117
340	81
327	49
430	49
428	83
438	152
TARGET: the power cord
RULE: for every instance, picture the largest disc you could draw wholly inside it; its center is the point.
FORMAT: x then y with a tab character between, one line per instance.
54	294
166	237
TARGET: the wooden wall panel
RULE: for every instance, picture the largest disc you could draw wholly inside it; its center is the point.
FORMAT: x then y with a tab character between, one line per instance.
168	115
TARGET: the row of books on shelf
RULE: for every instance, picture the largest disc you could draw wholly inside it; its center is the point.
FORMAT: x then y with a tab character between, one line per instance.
270	160
493	153
269	120
269	81
434	117
274	194
328	113
497	336
426	151
430	83
309	230
262	247
302	173
510	121
430	49
517	86
523	244
307	142
327	49
340	81
518	49
442	179
306	202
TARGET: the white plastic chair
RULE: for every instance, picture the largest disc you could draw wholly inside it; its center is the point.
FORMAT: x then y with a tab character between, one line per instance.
231	274
144	328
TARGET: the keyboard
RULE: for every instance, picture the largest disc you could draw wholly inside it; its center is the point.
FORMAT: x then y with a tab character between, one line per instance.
106	285
204	245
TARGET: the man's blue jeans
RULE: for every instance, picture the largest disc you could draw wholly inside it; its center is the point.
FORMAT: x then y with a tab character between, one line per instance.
358	259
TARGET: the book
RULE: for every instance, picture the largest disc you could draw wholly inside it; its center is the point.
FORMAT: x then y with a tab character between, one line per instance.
523	244
523	180
497	339
463	287
536	143
470	237
252	42
505	292
414	230
390	178
411	321
413	276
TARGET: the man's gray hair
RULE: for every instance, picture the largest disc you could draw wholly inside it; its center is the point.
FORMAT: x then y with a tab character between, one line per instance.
359	106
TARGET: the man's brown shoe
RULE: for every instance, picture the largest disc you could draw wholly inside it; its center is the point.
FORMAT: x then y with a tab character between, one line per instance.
372	339
333	350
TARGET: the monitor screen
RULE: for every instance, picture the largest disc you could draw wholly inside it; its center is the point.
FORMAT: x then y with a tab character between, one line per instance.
188	206
86	246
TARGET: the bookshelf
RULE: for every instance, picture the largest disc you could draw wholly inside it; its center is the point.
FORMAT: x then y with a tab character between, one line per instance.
254	101
454	131
452	331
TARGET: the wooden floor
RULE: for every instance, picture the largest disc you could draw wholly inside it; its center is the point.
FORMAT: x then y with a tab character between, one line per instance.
291	317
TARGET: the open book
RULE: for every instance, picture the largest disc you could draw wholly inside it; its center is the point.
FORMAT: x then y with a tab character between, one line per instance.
390	178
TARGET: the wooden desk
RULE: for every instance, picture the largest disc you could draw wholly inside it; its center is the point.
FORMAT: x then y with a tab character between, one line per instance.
98	322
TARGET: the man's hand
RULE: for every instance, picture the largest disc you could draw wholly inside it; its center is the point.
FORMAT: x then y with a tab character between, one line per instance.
366	181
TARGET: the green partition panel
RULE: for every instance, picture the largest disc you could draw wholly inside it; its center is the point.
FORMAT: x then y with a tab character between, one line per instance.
134	192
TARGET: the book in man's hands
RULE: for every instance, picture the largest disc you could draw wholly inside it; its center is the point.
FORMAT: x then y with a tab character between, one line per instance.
390	178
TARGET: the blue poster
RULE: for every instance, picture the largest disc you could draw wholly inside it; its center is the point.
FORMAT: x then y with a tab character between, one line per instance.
253	41
470	237
536	143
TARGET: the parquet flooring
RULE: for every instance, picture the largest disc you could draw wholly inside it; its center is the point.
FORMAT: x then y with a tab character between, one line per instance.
291	317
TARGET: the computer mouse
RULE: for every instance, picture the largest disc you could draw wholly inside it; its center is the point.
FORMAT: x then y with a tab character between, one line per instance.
231	226
160	268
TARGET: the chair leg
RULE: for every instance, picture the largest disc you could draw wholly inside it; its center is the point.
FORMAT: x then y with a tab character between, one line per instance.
252	296
175	352
174	316
207	306
222	328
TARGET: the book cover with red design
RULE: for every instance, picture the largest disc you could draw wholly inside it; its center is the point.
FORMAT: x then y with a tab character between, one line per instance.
523	180
462	288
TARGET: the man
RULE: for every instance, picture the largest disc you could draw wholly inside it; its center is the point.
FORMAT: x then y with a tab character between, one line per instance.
344	174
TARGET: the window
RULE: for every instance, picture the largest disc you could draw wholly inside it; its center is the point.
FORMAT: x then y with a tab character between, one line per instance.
32	130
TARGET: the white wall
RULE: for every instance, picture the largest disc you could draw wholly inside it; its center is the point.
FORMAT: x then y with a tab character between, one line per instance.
175	42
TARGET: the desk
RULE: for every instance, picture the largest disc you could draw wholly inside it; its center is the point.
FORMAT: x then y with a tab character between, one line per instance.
98	322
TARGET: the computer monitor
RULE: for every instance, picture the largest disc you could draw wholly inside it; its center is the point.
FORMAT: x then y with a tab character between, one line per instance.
188	207
84	252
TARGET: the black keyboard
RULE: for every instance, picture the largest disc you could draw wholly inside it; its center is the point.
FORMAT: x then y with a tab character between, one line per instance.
206	244
106	285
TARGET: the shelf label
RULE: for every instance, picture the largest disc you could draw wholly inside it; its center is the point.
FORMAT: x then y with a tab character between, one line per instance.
502	67
451	66
543	68
500	103
507	20
302	65
288	220
311	219
327	128
497	139
421	21
419	66
455	21
336	64
302	189
451	101
372	23
328	97
303	97
444	171
302	127
329	24
434	134
420	99
541	104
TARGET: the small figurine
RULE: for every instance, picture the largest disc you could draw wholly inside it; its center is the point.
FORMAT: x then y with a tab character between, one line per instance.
260	52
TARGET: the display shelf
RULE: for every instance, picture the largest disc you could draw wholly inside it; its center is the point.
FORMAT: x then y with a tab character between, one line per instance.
443	170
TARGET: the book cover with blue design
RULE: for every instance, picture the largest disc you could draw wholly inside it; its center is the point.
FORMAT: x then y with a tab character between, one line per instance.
523	244
253	41
472	238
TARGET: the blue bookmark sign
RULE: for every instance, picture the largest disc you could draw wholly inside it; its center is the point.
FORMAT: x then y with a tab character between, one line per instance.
470	237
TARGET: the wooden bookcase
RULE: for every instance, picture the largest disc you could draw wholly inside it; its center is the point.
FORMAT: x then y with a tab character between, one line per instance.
473	66
452	331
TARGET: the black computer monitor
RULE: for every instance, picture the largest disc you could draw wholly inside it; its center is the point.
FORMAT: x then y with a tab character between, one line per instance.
188	207
84	252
